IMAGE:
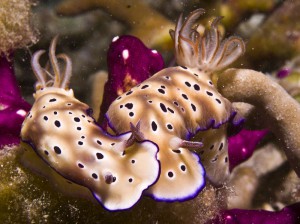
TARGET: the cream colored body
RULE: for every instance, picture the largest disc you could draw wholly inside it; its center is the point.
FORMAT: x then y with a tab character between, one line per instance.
116	169
176	103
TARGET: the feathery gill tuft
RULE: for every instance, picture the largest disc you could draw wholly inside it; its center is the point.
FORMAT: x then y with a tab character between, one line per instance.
207	51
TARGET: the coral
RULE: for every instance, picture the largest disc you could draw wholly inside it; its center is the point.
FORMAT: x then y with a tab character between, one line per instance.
244	182
290	187
129	63
16	30
277	39
153	29
242	145
289	214
13	108
235	10
289	77
250	179
271	101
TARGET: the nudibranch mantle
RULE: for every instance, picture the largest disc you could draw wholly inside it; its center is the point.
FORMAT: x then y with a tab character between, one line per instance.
180	102
171	106
117	169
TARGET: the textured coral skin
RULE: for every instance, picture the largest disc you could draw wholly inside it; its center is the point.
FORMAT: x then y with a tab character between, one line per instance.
271	102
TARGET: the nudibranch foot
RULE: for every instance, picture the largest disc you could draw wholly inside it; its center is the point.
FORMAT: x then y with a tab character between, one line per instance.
214	154
182	176
206	52
65	136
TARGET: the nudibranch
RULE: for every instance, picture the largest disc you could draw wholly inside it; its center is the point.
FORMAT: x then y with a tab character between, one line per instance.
180	102
116	169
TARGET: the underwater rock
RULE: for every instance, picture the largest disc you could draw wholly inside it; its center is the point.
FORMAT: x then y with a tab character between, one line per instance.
258	182
289	77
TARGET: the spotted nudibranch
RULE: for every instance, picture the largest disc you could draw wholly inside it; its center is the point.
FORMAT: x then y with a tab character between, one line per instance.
180	102
116	169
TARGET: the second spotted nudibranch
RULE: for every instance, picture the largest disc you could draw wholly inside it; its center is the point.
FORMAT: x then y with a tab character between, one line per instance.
180	102
117	169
